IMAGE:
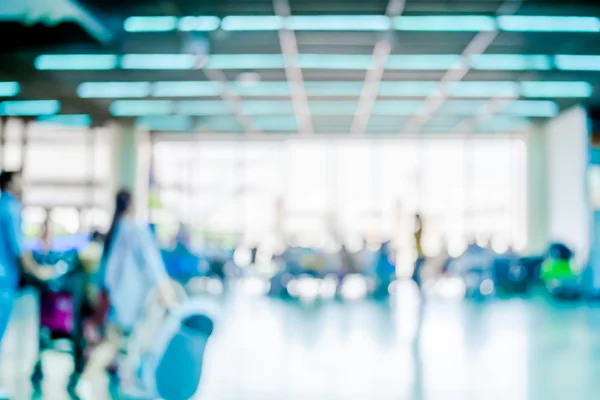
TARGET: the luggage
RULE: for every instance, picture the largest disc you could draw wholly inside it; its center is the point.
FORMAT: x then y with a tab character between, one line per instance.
479	283
510	275
166	350
278	285
173	367
57	312
181	264
565	290
61	307
476	267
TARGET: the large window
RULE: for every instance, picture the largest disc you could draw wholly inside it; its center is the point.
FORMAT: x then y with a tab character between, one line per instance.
312	191
317	191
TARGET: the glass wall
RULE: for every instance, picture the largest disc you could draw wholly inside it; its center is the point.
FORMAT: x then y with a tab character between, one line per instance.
321	192
66	174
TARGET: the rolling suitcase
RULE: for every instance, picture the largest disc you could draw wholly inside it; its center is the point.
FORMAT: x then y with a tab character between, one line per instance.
61	306
166	350
173	367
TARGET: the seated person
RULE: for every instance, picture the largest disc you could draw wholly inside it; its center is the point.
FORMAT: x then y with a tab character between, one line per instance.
558	266
558	275
253	255
385	267
435	267
314	263
474	258
181	263
366	259
291	260
182	239
349	262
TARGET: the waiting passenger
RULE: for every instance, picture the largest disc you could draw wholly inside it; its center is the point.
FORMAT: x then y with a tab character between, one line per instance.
349	262
385	267
420	261
183	239
366	259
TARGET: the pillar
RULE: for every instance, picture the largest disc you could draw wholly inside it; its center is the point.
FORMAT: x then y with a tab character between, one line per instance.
559	206
592	278
125	156
3	124
573	187
131	163
537	190
569	206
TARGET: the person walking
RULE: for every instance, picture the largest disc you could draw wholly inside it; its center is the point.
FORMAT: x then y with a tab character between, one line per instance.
131	266
13	258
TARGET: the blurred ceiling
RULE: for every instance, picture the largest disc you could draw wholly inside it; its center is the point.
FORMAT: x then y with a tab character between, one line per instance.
307	66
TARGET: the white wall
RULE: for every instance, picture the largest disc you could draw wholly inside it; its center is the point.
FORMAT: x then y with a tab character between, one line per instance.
569	211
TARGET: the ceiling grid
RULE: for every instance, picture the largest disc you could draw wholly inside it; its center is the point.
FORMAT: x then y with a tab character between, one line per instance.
308	66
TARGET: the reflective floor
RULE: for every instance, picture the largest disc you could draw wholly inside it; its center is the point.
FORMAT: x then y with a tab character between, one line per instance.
266	349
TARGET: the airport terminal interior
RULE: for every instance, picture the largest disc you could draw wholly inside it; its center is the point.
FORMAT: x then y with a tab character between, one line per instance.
373	200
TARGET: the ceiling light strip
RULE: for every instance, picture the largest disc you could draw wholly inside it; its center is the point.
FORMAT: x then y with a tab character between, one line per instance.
150	24
371	23
29	107
71	62
538	23
231	99
138	24
459	23
556	89
447	23
577	62
472	58
9	89
317	89
283	108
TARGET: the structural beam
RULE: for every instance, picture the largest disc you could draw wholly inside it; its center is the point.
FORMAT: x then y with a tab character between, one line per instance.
489	110
289	49
233	101
478	45
381	52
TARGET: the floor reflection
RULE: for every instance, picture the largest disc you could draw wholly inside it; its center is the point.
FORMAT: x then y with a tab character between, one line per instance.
407	348
417	359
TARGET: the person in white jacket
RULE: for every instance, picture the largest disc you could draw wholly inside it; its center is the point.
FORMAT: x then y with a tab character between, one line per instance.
130	267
